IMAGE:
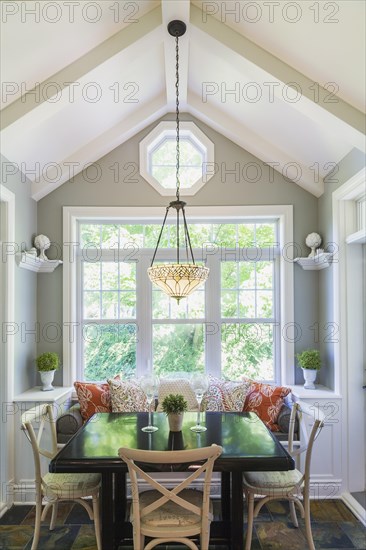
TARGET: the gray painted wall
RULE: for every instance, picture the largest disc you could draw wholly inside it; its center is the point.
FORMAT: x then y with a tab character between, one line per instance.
350	165
222	189
25	348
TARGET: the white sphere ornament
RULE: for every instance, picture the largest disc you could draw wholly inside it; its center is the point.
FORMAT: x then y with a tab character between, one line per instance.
42	243
313	241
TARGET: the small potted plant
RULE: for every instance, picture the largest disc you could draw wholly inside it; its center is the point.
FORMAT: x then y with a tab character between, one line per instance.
47	364
174	405
309	361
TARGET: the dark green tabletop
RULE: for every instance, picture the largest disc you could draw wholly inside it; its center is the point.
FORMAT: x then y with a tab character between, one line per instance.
247	443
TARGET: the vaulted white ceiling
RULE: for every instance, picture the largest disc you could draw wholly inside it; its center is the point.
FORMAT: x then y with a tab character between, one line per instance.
286	83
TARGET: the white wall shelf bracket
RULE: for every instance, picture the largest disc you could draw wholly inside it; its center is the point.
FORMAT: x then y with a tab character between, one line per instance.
36	264
315	263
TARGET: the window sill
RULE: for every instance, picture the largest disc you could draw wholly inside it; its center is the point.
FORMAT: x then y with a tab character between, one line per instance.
35	395
321	392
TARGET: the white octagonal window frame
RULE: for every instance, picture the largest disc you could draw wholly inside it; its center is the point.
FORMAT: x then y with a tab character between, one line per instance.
187	131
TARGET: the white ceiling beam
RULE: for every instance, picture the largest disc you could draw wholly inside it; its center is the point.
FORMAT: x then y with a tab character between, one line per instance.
316	102
256	145
101	146
171	10
74	72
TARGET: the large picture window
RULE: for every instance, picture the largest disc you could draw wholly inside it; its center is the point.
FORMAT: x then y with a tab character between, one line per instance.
229	327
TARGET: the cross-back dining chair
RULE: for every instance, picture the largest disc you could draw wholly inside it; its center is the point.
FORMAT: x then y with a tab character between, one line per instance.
53	488
290	485
171	515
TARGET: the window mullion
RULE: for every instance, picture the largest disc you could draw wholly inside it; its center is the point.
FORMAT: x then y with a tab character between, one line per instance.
212	328
143	316
276	289
80	315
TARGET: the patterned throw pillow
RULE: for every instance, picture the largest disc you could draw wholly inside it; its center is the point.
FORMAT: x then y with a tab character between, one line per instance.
93	398
266	401
181	386
127	396
225	395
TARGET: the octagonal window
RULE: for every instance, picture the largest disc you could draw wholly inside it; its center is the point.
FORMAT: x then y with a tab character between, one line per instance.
158	158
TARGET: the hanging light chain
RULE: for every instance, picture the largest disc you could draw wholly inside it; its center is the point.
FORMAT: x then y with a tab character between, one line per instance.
177	113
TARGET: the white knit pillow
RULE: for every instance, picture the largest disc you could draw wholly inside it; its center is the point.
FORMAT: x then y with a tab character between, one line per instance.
177	386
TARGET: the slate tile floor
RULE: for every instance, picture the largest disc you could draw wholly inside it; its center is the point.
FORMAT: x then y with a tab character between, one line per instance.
334	527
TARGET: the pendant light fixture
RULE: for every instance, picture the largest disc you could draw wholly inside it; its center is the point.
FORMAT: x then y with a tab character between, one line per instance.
180	279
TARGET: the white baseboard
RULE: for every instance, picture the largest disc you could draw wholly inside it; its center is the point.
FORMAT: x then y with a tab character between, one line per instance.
325	489
24	492
355	507
6	496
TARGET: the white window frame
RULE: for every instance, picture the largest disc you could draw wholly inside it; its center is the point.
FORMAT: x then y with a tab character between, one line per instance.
124	215
188	130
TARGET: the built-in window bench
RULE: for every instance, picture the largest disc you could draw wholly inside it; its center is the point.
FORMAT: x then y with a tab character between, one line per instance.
60	397
326	476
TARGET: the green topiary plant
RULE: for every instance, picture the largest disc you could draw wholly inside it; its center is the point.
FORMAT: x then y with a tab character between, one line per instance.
309	359
174	404
48	361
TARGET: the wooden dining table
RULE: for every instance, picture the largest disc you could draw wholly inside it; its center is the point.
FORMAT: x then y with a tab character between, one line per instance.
247	446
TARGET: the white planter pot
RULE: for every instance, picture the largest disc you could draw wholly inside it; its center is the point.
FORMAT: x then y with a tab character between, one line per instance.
175	422
47	379
309	377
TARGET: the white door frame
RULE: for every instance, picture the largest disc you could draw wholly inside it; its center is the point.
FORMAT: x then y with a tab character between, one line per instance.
7	201
348	353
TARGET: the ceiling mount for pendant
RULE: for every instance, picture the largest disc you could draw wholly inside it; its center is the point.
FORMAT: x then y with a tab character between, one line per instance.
177	28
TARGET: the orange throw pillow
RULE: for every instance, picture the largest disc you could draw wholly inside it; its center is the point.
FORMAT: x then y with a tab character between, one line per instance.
93	398
266	401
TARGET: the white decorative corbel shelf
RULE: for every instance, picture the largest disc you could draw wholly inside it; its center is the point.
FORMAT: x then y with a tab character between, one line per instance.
36	264
320	261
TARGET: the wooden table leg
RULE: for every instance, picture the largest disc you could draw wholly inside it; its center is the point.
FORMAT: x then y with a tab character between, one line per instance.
107	511
120	496
225	495
237	511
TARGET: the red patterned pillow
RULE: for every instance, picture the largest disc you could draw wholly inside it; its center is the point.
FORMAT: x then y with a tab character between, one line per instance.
225	395
93	398
266	401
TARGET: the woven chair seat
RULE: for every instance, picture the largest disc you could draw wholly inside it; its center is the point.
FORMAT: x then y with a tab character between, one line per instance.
171	514
70	486
273	480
